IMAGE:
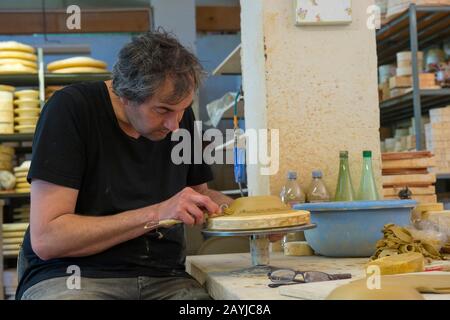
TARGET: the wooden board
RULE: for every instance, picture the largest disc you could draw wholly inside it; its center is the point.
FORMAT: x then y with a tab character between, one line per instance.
409	179
409	163
415	191
218	18
389	172
259	221
405	155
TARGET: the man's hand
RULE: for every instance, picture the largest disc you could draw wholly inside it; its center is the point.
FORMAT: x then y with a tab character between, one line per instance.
187	206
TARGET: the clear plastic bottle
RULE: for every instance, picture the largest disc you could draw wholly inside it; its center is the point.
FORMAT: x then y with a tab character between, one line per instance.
344	188
317	191
367	187
291	192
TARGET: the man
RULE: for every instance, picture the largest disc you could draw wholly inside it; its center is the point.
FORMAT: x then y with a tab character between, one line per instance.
102	173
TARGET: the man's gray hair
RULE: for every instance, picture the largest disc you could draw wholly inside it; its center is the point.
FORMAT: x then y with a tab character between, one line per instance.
148	60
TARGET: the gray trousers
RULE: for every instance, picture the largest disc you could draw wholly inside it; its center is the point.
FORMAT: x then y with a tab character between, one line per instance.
139	288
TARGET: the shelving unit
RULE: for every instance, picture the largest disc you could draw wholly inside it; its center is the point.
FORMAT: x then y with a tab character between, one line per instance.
399	108
51	78
10	199
418	27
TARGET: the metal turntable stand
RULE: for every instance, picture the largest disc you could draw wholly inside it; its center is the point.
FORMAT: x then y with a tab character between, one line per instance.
259	240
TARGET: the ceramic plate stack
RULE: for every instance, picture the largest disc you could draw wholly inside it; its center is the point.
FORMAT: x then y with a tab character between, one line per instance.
12	238
27	110
6	110
22	214
77	65
10	282
21	173
6	157
17	57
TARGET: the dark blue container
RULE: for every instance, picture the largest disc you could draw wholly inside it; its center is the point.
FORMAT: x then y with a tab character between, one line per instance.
351	229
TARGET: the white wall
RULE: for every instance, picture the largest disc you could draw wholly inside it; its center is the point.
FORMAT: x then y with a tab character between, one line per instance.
177	16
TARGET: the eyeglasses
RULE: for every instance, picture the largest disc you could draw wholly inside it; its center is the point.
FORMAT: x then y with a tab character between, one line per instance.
281	277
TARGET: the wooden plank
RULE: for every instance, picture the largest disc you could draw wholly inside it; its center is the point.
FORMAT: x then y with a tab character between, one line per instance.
409	163
414	190
218	19
419	198
388	172
409	179
92	20
405	155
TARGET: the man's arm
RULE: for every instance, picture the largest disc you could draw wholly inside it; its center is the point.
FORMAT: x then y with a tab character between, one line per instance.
57	231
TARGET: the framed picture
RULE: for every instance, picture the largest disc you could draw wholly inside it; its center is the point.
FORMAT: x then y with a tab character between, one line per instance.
319	12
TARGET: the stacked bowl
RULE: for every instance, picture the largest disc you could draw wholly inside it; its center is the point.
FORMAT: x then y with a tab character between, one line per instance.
21	173
27	110
6	110
16	57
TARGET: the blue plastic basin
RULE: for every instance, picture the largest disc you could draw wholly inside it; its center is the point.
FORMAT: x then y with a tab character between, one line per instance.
351	229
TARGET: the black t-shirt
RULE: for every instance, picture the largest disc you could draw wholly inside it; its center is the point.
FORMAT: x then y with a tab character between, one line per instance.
78	144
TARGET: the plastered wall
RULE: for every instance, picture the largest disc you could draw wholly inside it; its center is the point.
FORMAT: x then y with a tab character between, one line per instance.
319	88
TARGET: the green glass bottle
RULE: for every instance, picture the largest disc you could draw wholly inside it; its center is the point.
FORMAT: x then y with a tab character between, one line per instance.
367	187
344	189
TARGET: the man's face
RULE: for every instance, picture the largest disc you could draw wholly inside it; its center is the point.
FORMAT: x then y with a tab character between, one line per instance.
155	119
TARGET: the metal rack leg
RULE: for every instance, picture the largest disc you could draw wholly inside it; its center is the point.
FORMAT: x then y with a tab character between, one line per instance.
259	249
414	42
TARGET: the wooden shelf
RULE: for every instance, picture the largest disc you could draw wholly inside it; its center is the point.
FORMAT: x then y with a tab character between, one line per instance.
12	194
433	26
231	65
51	78
401	107
14	137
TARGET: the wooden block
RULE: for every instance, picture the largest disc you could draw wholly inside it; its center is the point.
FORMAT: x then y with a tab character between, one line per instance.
388	172
414	190
409	163
405	155
400	82
218	18
426	80
441	213
410	179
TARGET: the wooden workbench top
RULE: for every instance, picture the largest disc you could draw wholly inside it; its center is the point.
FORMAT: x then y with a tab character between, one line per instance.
231	277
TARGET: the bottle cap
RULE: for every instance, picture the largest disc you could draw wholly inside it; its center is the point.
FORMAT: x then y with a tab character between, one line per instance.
292	175
317	174
343	154
367	154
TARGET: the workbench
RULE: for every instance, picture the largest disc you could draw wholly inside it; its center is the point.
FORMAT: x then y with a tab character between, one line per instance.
232	277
